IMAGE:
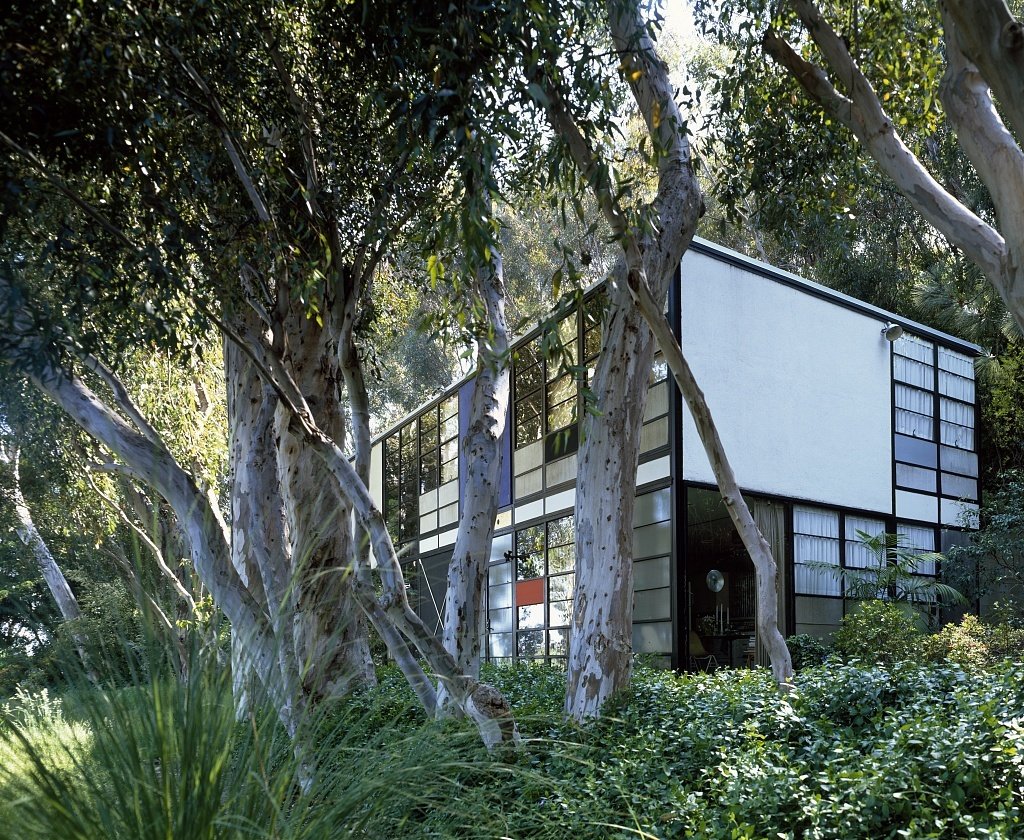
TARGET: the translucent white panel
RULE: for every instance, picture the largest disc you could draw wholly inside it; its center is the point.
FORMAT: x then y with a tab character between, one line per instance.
448	515
657	401
914	347
815	521
651	574
917	538
956	412
814	581
913	372
816	549
499	597
529	457
916	478
500	545
500	620
653	638
528	484
858	556
959	387
953	434
499	574
428	523
959	486
448	493
651	604
959	461
500	645
916	400
914	425
654	435
653	507
956	362
652	540
561	470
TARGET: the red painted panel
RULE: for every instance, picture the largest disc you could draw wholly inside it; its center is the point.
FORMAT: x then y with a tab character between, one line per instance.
529	592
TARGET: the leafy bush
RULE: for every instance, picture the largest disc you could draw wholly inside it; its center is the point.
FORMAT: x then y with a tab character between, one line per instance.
806	651
974	644
879	632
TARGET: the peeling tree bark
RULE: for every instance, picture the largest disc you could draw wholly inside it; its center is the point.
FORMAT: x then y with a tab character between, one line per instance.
481	450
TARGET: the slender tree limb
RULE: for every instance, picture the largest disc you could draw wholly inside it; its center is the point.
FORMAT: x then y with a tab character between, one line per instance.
863	114
121	397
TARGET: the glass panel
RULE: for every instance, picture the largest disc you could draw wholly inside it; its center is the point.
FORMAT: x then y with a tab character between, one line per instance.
500	645
592	343
814	581
913	451
913	372
528	419
450	449
499	597
953	434
916	400
500	620
956	362
914	347
652	540
561	531
529	380
915	425
560	587
917	538
652	638
562	415
858	556
561	559
450	408
532	615
567	335
815	521
653	507
657	401
961	388
449	471
915	478
531	643
956	412
559	642
561	389
560	613
450	428
651	604
659	370
530	553
959	487
651	574
499	573
957	460
428	471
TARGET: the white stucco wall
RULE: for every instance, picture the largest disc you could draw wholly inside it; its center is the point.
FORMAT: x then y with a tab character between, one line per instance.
799	387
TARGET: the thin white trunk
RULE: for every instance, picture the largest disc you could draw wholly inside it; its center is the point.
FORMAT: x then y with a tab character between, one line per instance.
481	450
48	567
753	540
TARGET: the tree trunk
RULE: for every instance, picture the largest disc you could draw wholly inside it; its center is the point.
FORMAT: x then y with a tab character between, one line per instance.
600	644
58	585
329	628
753	540
481	449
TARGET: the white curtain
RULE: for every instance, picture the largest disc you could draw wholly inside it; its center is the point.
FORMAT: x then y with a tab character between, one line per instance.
771	520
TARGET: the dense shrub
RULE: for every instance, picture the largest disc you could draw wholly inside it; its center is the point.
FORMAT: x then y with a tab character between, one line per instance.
806	651
879	632
974	644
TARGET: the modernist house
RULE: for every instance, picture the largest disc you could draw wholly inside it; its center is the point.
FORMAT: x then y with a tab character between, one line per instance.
834	424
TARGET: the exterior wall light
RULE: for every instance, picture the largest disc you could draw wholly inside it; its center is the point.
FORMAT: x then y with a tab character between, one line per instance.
892	331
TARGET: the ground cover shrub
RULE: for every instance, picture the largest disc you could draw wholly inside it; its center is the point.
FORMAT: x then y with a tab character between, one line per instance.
972	643
806	651
879	632
854	751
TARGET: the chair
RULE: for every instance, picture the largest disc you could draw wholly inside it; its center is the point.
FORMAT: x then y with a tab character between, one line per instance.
751	655
700	659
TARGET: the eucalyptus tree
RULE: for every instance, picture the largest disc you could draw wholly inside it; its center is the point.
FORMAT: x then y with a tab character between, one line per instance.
652	229
245	168
850	72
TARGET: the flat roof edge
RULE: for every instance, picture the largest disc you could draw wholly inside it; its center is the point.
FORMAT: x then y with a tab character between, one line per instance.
771	272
